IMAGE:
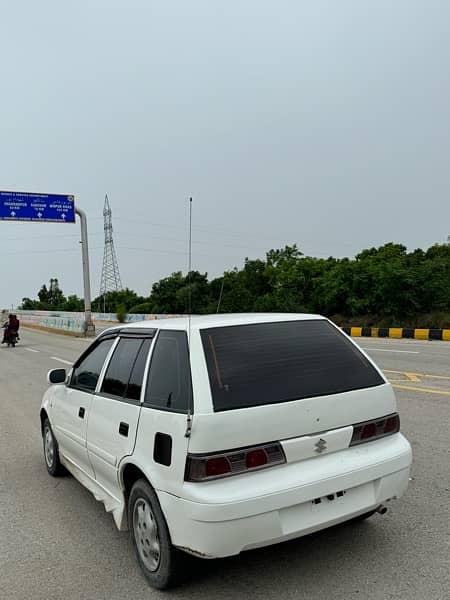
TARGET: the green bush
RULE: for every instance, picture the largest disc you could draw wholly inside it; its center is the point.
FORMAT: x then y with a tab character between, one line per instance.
121	313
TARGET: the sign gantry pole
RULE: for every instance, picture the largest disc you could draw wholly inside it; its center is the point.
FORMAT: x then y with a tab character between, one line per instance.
89	325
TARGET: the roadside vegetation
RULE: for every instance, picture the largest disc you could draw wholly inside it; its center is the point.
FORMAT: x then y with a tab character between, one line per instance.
383	286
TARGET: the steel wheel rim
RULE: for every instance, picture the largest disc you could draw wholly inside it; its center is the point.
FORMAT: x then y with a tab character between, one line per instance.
146	534
49	447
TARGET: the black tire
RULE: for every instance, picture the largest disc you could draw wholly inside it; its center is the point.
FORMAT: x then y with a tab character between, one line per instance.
158	559
51	452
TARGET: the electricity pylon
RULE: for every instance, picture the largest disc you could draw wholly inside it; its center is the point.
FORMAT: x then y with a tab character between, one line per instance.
111	281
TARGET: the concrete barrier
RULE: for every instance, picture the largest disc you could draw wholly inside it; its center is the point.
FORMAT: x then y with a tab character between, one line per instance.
399	332
130	318
74	325
74	322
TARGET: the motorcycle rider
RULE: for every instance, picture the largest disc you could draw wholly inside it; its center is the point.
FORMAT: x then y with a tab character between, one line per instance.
11	328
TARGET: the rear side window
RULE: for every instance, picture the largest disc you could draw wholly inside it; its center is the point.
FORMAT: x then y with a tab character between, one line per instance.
267	363
169	381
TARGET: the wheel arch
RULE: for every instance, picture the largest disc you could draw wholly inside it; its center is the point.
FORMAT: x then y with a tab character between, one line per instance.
43	415
129	474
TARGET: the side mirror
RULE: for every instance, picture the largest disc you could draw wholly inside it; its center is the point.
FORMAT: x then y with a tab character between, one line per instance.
57	376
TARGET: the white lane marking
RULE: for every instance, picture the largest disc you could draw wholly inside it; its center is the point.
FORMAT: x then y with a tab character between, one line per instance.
385	350
31	350
66	362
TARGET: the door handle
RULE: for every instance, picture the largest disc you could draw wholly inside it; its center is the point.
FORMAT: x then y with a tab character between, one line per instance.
123	429
81	412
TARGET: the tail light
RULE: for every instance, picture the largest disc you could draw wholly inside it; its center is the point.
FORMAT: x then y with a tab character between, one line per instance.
375	429
204	467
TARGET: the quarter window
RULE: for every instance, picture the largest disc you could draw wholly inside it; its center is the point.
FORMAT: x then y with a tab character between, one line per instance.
169	382
86	373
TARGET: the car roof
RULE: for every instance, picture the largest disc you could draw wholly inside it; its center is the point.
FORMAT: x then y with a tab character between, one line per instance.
221	320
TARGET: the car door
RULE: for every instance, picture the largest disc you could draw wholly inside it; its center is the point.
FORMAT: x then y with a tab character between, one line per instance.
162	443
73	404
115	408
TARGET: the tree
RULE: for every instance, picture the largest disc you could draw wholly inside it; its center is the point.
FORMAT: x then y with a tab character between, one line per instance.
51	298
111	301
74	304
286	280
28	304
239	290
163	297
171	294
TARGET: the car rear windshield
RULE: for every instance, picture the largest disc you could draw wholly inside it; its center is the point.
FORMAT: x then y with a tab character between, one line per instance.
267	363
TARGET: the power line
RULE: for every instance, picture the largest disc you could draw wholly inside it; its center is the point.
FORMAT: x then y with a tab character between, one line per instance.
177	239
229	233
46	237
180	252
47	251
211	231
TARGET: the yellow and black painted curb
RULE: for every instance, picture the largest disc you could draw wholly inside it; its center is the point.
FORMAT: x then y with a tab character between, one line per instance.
399	332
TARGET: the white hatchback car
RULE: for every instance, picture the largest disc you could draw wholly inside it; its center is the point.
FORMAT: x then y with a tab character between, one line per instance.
218	434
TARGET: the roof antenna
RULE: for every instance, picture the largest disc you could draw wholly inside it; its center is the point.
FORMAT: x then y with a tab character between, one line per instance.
220	295
190	266
190	397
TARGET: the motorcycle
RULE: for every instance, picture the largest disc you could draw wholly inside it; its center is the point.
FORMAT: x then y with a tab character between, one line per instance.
10	336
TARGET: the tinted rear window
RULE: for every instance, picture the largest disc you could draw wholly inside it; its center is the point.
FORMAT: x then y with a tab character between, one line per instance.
266	363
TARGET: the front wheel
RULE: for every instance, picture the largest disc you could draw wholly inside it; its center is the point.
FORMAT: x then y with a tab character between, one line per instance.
51	454
159	560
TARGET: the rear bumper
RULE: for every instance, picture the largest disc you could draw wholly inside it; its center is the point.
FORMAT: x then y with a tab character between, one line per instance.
282	503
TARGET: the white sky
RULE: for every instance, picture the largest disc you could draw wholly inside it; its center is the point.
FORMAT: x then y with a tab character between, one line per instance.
323	123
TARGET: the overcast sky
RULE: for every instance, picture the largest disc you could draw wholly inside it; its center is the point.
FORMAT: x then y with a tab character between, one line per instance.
321	123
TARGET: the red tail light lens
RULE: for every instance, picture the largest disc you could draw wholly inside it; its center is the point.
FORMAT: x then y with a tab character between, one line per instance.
215	467
233	462
392	424
368	431
375	429
256	458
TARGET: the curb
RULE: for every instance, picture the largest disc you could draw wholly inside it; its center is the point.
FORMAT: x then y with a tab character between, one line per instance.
398	333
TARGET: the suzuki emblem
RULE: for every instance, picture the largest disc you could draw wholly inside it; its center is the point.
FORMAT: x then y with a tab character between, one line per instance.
320	446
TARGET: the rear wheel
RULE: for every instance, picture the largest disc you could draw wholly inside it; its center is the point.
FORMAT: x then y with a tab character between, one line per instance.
51	453
159	560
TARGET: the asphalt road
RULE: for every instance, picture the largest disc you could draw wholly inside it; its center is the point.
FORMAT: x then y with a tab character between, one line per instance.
57	542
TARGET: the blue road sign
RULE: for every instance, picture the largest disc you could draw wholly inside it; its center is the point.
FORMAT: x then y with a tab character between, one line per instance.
26	206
